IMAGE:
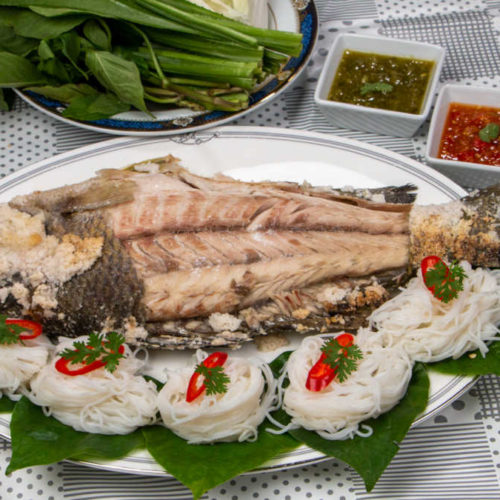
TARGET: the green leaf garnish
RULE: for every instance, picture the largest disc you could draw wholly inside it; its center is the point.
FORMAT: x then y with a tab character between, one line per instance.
383	87
490	132
9	334
6	404
99	347
203	466
371	455
342	359
215	379
7	97
38	439
472	363
445	281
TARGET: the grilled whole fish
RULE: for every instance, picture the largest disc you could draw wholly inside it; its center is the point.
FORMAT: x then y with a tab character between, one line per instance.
176	260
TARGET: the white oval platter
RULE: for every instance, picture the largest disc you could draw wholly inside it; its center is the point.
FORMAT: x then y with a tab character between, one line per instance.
250	153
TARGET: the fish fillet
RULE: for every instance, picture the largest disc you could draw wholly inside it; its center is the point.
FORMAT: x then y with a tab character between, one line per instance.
189	261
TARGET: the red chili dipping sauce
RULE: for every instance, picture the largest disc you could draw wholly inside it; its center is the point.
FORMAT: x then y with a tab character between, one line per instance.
471	133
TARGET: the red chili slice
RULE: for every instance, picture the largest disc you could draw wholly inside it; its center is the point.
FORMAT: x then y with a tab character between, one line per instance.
63	365
428	263
321	374
33	326
195	386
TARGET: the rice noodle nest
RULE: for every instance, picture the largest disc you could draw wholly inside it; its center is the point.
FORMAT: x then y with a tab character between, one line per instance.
231	416
100	401
431	330
19	363
379	382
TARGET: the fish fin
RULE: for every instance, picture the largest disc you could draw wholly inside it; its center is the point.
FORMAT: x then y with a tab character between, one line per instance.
88	195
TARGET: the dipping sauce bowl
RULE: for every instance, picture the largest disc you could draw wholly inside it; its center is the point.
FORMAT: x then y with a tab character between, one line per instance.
379	84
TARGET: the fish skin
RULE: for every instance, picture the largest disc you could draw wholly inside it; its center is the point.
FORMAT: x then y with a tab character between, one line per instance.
107	294
466	229
142	248
285	314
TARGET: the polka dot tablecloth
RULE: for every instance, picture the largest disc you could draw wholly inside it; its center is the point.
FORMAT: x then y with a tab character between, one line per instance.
453	456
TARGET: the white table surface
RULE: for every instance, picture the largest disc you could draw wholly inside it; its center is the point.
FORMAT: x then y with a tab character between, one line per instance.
455	455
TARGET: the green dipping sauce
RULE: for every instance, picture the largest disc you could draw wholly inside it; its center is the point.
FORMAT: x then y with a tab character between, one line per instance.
381	81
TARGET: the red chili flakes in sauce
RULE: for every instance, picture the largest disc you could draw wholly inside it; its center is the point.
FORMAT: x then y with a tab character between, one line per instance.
460	139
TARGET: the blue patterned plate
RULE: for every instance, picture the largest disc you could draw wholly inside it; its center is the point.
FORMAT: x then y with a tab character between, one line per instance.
287	15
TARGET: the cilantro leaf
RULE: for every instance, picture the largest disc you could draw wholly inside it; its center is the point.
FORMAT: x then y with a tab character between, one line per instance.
99	347
341	358
445	282
215	379
9	334
383	87
490	132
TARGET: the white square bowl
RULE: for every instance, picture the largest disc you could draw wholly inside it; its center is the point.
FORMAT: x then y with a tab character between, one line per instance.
368	119
463	94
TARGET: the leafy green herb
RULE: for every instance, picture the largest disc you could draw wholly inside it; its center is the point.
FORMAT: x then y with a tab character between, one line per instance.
383	87
103	51
37	440
203	466
445	281
159	385
341	358
112	9
371	455
31	25
6	404
215	379
44	51
118	75
11	42
489	132
278	363
65	93
98	33
54	11
71	47
9	334
94	107
52	65
99	347
472	363
7	98
16	71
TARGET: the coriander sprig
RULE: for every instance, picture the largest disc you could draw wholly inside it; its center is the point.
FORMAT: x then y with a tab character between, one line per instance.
9	333
215	379
99	348
445	281
383	87
489	132
342	358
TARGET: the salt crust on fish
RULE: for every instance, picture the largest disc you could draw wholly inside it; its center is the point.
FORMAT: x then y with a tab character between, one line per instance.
33	264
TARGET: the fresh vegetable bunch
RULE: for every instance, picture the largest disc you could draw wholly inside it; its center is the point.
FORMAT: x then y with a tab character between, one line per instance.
103	57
